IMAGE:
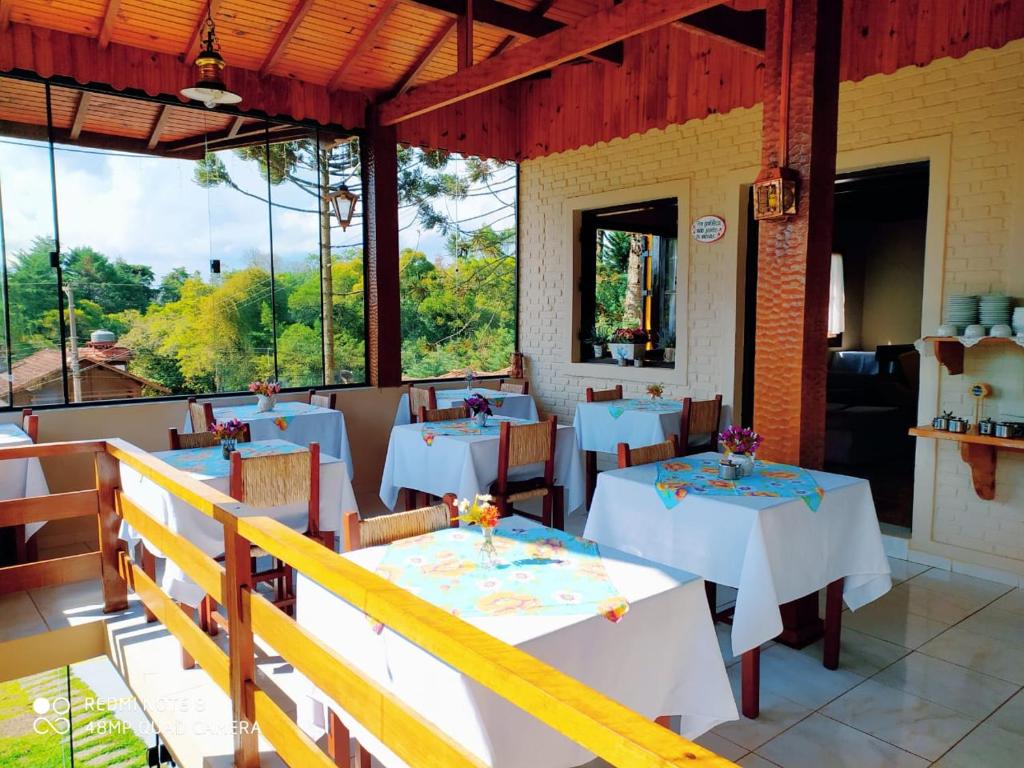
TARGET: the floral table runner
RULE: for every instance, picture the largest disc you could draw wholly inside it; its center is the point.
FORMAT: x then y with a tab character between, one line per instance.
282	415
540	571
465	427
678	477
211	462
619	407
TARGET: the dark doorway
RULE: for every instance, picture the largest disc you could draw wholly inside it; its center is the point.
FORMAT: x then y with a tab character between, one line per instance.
875	317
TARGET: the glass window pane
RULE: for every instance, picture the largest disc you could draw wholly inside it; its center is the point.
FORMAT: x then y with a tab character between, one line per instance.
457	222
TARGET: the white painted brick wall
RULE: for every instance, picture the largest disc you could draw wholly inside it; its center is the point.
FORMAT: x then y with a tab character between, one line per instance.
978	101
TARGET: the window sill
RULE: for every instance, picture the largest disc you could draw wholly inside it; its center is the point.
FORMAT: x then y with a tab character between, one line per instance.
648	374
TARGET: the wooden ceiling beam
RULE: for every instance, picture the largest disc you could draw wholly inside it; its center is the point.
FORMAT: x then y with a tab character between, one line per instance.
409	77
196	41
80	113
86	139
236	126
507	18
464	35
364	43
5	14
287	33
158	126
107	26
607	26
742	29
538	10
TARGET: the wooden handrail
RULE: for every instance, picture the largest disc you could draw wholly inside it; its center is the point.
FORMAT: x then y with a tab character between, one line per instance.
56	506
601	725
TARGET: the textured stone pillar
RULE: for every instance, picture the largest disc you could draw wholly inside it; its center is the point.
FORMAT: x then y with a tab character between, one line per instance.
794	254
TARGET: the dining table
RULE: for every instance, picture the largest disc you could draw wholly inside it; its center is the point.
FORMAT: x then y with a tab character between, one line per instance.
21	478
600	427
775	536
636	631
461	457
209	466
294	421
502	403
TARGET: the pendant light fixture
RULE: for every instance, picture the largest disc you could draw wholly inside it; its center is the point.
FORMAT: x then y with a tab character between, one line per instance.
210	88
344	204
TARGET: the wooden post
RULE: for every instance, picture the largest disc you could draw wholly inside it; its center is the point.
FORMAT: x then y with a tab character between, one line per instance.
801	102
237	593
464	37
108	481
833	623
380	185
750	683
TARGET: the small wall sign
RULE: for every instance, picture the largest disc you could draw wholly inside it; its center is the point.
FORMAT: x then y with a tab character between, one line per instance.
708	229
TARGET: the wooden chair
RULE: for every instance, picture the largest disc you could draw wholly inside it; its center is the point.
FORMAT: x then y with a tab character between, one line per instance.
700	417
26	550
515	386
183	440
648	454
443	414
374	532
329	400
274	481
201	415
590	457
520	445
421	397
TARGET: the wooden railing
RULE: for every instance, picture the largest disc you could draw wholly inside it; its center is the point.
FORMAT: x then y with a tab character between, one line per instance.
601	725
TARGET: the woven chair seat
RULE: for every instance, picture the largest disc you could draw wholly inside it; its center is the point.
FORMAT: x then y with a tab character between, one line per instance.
520	490
384	529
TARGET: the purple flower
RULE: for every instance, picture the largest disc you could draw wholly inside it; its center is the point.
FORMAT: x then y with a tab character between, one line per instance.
478	404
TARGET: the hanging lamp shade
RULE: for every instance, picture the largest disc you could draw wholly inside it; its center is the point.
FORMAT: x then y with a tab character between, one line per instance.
210	88
344	204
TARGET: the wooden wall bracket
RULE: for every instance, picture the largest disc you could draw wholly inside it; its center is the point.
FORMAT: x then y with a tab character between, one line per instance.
978	452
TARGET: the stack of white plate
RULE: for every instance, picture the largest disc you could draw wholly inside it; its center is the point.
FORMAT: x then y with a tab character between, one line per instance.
994	309
1018	321
961	311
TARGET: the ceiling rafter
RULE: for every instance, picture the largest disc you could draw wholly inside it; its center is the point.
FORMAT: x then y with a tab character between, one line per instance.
741	29
429	53
609	25
5	14
107	26
464	38
538	10
158	126
364	43
196	40
236	126
507	18
80	113
287	33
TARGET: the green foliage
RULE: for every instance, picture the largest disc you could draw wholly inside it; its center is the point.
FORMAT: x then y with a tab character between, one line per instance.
611	280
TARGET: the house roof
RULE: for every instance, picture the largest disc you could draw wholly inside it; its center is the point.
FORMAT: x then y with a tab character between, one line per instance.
46	364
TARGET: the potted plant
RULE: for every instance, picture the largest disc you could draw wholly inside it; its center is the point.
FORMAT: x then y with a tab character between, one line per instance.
667	342
597	339
480	407
228	433
630	341
266	394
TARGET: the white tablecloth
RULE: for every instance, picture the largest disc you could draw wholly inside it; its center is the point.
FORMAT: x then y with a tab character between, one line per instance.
205	464
467	464
772	550
597	429
20	478
305	424
662	658
511	404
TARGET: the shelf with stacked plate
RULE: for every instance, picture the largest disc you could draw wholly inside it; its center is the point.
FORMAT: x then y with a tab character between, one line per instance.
949	350
977	451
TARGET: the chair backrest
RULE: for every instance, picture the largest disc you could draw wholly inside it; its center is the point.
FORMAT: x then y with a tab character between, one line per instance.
326	400
516	386
521	444
201	415
443	414
421	397
604	395
647	454
384	529
279	479
183	440
700	417
30	424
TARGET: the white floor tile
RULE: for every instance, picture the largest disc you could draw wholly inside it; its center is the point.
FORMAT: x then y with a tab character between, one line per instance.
819	741
861	654
904	569
721	746
803	678
902	719
959	585
987	746
1012	601
1010	716
979	652
777	714
970	693
998	624
20	617
754	760
888	620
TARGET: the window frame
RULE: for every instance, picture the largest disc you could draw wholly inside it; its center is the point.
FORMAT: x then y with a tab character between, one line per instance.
316	128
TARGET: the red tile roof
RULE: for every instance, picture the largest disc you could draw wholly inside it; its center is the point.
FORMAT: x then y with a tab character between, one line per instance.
45	364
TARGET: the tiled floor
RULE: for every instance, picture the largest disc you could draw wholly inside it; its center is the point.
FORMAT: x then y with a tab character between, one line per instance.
930	674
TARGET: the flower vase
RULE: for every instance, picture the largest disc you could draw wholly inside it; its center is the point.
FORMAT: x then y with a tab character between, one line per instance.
488	552
265	403
227	445
481	419
745	463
